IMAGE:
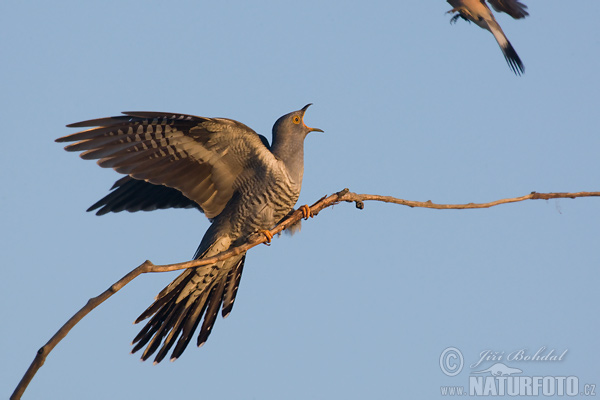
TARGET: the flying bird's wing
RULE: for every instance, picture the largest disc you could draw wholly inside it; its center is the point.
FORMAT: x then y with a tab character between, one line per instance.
205	159
514	8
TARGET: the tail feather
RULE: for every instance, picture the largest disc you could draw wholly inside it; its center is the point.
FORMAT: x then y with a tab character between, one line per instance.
140	336
179	308
513	59
151	327
162	331
509	52
214	303
161	301
231	287
170	340
172	288
190	326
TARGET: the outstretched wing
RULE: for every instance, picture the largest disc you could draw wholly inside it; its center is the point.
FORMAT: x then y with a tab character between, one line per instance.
514	8
206	159
128	194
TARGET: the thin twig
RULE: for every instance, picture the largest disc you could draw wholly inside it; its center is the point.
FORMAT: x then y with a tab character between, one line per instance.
327	201
428	204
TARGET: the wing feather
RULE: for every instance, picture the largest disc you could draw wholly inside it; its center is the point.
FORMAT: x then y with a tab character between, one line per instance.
128	194
514	8
206	159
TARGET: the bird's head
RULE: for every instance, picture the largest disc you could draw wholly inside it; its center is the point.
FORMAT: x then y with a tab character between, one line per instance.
292	124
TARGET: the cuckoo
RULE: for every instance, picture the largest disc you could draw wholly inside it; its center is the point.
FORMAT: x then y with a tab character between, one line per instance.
217	165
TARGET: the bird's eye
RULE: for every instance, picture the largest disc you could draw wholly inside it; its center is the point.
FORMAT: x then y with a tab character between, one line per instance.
296	119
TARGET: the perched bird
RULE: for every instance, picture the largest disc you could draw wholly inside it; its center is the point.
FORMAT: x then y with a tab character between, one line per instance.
478	12
218	165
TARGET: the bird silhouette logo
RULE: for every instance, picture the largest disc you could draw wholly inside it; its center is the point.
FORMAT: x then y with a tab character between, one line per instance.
499	369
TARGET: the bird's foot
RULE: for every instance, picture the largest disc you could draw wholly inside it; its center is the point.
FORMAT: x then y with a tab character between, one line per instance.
306	212
267	234
454	18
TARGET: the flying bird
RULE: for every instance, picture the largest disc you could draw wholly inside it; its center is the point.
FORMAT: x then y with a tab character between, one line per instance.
479	13
217	165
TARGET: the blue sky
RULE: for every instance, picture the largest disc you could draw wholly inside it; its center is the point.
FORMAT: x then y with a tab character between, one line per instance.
360	304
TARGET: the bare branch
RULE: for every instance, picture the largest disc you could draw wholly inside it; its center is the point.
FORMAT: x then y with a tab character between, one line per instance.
428	204
327	201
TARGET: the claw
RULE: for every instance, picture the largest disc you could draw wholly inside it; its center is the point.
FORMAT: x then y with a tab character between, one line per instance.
267	234
306	212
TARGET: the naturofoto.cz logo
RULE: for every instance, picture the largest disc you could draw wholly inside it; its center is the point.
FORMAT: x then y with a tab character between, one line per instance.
497	374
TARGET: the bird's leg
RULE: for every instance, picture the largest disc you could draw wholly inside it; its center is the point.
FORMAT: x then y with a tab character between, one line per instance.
457	16
460	14
306	212
267	234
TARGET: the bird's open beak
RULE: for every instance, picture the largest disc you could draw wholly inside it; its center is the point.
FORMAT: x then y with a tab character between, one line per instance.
304	111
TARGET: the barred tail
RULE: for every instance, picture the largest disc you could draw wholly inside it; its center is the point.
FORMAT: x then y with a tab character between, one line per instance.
179	308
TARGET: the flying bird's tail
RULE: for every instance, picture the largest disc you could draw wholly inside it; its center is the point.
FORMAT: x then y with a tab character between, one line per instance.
179	308
511	56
